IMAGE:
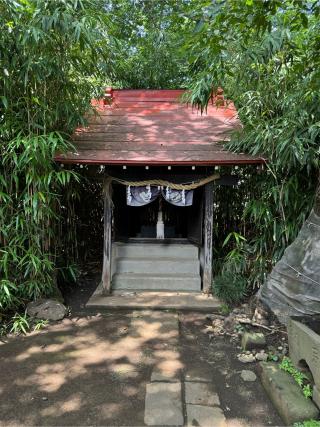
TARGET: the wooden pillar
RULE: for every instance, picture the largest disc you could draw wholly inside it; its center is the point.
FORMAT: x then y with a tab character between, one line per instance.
107	242
208	232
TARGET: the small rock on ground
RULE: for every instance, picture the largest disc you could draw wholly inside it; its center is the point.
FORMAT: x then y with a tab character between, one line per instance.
262	357
248	375
251	340
46	309
246	358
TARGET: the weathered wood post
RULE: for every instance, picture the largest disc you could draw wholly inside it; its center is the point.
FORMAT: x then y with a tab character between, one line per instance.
208	230
107	243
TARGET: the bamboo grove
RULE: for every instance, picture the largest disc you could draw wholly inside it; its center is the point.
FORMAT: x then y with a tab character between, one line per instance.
266	56
56	55
51	59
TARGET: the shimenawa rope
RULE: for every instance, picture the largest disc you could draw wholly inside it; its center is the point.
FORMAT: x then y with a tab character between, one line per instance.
163	183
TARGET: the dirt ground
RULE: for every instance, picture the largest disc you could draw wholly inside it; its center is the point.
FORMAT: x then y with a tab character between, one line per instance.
93	370
216	357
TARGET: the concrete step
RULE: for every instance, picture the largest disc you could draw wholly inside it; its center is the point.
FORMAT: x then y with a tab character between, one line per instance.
156	282
168	266
155	250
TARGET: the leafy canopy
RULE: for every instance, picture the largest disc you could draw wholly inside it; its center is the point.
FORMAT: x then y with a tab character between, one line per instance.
53	56
266	56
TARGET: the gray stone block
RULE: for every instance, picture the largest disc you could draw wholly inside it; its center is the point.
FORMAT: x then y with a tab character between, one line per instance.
205	416
156	251
200	394
158	266
252	341
316	396
156	282
304	346
163	406
286	395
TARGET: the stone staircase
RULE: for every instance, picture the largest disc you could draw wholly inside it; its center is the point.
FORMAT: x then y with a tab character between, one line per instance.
156	267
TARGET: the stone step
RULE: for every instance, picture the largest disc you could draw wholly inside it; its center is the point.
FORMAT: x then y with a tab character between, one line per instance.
169	266
155	250
156	282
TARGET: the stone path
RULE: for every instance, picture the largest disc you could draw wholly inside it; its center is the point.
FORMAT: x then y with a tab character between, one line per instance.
175	400
128	369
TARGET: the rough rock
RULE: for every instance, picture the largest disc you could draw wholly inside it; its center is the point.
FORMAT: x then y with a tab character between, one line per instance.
251	340
286	395
46	309
248	375
316	396
246	358
262	357
287	293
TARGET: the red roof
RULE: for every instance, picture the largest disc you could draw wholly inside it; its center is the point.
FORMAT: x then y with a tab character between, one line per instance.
153	127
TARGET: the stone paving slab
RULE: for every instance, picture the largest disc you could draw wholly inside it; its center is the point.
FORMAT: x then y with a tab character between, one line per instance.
200	394
163	405
205	416
167	375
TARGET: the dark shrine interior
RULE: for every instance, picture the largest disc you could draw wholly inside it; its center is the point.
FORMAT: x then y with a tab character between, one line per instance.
140	222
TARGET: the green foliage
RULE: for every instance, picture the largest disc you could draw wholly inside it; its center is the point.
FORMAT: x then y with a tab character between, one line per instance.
300	378
307	391
230	287
148	36
266	56
40	324
309	423
224	309
52	60
18	323
230	283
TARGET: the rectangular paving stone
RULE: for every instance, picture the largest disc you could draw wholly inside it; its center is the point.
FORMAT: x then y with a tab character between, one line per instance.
165	375
200	394
205	416
163	406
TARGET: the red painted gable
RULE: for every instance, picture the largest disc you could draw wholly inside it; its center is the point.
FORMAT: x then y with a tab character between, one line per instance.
154	127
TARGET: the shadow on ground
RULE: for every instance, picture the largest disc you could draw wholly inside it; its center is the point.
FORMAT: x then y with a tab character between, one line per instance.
93	369
84	371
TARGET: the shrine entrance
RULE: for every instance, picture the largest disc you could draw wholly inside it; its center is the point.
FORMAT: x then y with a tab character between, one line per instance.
156	238
142	221
158	232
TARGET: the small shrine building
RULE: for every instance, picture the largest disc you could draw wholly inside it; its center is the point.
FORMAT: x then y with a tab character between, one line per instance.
159	157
